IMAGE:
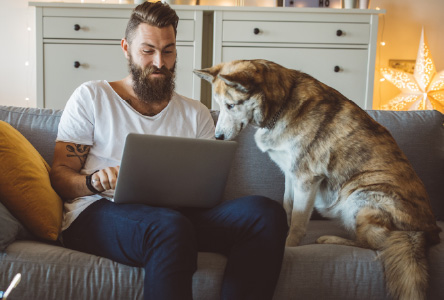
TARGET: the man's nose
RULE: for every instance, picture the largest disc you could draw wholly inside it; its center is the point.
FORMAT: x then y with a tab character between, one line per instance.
158	60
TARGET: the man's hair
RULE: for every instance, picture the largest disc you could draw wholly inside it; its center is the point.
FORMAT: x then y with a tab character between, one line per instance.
154	14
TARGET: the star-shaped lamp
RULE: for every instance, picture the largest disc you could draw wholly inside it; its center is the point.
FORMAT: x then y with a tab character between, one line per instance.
424	90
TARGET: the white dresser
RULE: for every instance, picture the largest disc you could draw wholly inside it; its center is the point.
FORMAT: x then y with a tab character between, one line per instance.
335	46
80	42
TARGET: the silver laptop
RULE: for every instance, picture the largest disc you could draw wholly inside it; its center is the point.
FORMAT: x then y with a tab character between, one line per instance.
173	171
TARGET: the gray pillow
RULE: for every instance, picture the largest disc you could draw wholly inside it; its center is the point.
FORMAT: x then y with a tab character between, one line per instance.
10	228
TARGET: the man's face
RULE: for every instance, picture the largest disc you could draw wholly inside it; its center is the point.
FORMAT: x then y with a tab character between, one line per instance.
152	62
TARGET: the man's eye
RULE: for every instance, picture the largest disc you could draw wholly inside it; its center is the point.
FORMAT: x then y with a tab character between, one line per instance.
230	106
148	51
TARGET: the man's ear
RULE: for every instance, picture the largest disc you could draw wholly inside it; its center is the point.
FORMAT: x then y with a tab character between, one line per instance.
240	81
124	45
209	73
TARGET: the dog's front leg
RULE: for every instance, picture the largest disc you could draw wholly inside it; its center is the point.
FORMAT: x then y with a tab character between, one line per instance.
304	194
288	197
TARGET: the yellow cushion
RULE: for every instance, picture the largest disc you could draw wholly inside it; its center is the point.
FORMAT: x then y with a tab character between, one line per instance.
25	188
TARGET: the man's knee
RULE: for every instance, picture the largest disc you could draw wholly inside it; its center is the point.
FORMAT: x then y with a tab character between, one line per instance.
173	225
264	206
264	212
170	237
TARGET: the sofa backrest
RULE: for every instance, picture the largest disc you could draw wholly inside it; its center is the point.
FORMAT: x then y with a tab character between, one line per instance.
39	126
420	134
252	171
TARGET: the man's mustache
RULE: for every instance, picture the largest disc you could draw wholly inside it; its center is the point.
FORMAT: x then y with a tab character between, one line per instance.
153	69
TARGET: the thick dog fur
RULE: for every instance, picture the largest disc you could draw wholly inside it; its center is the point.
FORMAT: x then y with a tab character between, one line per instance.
335	158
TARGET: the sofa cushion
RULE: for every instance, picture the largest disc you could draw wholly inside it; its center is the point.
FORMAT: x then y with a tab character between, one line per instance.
309	271
323	271
10	229
87	276
25	188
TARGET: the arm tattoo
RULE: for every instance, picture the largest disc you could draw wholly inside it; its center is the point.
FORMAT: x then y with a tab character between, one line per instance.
79	151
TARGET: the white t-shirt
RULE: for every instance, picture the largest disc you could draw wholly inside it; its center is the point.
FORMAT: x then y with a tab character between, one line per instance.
97	116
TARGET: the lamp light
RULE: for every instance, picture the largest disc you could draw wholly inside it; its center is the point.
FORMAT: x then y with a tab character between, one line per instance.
422	90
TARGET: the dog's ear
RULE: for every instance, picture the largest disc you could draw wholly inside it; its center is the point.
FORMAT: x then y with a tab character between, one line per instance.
209	73
240	81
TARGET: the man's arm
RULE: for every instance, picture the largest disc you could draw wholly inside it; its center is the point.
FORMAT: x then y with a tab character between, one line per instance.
69	159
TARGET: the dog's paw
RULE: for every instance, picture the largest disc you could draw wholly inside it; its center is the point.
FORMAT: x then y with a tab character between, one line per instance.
330	239
326	239
292	241
294	237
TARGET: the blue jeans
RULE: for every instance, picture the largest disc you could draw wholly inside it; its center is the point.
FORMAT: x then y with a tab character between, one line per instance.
250	231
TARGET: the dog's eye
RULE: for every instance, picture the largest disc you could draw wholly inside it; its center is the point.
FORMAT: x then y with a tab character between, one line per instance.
230	106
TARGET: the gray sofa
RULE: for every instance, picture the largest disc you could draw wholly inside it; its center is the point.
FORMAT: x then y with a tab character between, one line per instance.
309	271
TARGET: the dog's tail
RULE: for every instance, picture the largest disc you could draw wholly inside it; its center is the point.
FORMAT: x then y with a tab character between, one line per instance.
405	263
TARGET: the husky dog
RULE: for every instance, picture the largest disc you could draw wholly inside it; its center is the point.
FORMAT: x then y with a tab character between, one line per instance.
336	158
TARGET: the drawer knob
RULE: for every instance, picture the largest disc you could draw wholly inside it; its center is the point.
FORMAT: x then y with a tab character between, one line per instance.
337	69
339	32
256	31
76	64
76	27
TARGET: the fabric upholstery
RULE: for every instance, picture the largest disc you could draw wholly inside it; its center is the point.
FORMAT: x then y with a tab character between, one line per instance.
25	188
252	171
310	271
10	229
39	126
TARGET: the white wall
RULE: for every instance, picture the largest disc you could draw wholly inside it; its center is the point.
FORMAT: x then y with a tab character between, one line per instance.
17	53
400	27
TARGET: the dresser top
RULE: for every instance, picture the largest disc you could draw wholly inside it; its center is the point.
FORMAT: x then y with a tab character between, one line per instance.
116	4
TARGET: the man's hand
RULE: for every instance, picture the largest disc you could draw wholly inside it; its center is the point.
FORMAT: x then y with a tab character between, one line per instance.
105	179
69	159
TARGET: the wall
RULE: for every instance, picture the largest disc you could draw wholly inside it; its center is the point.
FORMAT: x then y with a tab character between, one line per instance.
17	54
400	28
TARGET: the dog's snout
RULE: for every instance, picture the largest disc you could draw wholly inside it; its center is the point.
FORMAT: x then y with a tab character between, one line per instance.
220	136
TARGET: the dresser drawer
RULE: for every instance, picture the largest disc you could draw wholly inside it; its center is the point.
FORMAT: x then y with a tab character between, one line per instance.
100	28
63	75
342	69
84	28
295	32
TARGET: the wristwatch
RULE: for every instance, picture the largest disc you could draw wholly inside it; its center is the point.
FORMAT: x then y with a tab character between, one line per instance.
89	184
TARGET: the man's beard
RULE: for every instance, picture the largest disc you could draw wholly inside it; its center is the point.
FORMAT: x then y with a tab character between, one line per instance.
152	90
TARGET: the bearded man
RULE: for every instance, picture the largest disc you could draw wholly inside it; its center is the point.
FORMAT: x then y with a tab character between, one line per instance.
250	231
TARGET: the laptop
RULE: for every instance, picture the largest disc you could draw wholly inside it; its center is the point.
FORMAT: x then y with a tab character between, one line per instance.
173	171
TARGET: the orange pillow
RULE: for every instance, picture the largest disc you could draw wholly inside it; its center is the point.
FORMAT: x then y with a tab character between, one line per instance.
25	188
